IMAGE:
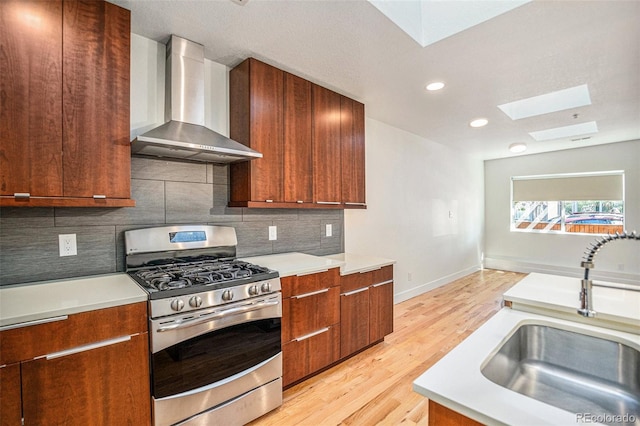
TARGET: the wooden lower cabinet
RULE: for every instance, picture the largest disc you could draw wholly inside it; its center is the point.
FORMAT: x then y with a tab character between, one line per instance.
439	415
10	395
366	309
309	354
90	368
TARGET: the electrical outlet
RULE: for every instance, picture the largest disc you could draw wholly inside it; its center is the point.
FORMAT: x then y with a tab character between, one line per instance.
273	233
67	244
328	230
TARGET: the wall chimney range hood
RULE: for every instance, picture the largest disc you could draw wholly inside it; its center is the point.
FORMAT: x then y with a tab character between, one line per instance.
184	135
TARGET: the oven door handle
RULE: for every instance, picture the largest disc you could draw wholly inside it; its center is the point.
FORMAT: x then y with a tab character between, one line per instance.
218	315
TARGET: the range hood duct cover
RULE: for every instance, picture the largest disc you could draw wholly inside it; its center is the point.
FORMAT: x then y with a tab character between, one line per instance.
184	135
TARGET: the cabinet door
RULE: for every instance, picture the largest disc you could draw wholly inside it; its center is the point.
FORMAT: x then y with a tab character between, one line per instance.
256	99
31	86
298	158
380	311
108	385
10	395
306	313
353	153
309	354
95	81
327	164
354	321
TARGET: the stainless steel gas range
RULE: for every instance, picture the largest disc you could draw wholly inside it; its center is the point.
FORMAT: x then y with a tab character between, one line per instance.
214	326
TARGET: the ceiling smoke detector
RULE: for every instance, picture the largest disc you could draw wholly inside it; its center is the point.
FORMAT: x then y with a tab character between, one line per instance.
240	2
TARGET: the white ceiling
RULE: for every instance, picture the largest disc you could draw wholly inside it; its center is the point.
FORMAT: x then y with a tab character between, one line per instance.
349	46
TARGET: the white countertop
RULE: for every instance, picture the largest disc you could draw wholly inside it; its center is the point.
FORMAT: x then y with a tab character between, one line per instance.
457	382
288	264
353	263
558	296
64	297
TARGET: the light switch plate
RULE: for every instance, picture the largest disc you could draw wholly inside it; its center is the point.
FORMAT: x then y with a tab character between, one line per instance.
328	230
273	233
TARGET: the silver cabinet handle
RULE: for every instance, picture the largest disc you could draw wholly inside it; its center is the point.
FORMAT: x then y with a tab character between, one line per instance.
299	201
99	197
34	322
308	336
86	347
268	201
382	283
311	273
313	293
328	202
360	290
22	195
356	204
364	271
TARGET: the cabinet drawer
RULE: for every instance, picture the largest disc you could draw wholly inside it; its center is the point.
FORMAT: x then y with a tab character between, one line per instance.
355	281
383	274
10	396
28	342
303	284
309	354
308	312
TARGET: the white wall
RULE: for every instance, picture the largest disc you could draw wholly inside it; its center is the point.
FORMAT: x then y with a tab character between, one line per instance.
412	185
553	253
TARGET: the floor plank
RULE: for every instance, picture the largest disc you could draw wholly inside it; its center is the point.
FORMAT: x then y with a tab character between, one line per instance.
375	386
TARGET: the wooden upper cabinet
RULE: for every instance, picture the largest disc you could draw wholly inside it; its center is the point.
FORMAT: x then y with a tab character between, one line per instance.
95	78
65	119
326	146
298	154
353	153
256	103
31	86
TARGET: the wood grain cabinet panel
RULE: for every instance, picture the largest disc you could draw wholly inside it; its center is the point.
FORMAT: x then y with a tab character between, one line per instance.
10	395
310	354
298	153
65	73
439	415
31	86
352	153
366	309
309	312
103	386
256	106
327	173
301	284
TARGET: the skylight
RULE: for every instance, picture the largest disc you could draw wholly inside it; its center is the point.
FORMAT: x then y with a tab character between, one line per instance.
550	102
566	131
428	21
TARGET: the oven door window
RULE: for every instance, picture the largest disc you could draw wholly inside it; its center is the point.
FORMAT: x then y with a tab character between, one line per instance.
214	356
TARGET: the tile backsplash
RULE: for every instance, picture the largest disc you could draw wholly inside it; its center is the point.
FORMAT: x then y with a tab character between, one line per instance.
166	192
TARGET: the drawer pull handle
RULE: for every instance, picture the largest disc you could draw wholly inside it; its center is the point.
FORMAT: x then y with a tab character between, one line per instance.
22	195
34	322
299	201
308	336
360	290
313	293
99	197
364	271
356	204
382	283
268	201
328	202
311	273
87	347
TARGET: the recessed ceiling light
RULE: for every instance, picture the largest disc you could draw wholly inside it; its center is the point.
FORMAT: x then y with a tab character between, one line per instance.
518	147
479	122
436	85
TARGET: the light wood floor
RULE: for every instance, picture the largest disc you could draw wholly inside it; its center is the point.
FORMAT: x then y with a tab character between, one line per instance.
375	386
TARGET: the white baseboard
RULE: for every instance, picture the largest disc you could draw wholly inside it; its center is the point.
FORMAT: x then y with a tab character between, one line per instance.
528	267
423	288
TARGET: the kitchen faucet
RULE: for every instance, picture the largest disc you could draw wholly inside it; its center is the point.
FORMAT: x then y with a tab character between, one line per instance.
586	291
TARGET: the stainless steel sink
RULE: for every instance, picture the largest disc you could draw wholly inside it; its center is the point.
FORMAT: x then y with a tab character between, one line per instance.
579	373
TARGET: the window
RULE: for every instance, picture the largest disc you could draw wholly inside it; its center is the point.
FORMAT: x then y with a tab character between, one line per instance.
586	203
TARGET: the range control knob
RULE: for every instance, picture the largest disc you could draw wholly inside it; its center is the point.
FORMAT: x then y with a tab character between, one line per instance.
177	304
266	287
253	290
195	301
227	296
